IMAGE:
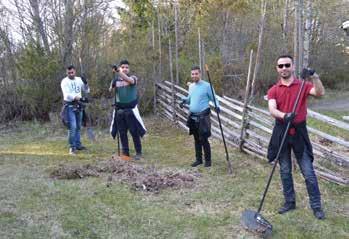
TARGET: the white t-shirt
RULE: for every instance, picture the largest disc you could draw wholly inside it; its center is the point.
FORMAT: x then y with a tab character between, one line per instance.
72	88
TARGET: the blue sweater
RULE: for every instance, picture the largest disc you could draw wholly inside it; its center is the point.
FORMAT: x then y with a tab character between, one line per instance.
199	96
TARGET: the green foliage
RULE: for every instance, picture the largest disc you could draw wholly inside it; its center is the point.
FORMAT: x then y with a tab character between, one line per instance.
39	87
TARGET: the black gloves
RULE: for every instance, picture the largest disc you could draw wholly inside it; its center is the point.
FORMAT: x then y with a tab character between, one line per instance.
307	72
289	117
217	109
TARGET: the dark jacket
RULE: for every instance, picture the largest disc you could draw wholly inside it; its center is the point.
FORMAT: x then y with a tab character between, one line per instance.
300	141
200	122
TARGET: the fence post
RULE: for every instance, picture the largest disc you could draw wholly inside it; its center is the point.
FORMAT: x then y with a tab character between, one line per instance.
244	121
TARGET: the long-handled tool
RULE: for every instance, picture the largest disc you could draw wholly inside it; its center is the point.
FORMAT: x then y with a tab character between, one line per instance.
219	121
252	220
90	133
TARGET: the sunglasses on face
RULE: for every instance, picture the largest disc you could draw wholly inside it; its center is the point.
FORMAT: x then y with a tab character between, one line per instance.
287	65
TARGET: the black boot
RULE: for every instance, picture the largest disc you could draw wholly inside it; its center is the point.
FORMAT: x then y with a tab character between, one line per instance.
207	163
196	163
287	207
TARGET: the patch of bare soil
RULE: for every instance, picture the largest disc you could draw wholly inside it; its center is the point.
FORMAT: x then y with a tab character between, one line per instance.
140	178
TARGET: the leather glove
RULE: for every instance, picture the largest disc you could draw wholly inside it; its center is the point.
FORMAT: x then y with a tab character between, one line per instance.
289	117
307	72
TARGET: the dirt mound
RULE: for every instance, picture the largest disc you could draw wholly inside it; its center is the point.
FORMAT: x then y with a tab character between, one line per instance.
138	177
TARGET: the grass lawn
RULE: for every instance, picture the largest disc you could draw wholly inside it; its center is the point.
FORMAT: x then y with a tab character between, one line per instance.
32	205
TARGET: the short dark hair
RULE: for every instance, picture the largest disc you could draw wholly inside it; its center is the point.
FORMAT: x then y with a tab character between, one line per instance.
195	68
285	56
71	67
124	62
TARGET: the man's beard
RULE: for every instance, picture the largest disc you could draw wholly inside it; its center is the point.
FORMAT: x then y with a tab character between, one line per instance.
287	77
71	77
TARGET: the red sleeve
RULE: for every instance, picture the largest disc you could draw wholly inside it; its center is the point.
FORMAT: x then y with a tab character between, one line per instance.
307	87
272	93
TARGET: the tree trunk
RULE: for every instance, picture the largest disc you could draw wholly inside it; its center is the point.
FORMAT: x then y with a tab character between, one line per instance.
285	27
68	32
39	24
307	33
298	36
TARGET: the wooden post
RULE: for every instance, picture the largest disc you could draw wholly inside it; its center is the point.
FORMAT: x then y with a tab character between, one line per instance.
199	45
159	35
244	111
176	43
154	70
173	93
259	49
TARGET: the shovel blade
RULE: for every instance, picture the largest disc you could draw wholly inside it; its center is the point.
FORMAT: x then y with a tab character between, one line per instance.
256	223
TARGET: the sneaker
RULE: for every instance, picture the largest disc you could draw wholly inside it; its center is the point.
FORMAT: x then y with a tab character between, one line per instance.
138	157
207	164
196	163
72	151
81	147
319	214
287	207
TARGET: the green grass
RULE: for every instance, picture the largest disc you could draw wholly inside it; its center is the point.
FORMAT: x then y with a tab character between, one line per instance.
32	205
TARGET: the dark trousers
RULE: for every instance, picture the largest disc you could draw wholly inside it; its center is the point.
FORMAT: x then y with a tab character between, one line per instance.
306	166
125	120
201	143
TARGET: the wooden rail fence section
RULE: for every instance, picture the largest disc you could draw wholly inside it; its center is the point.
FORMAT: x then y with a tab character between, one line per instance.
331	152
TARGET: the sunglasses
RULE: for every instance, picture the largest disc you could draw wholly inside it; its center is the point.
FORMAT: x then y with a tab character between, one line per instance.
287	65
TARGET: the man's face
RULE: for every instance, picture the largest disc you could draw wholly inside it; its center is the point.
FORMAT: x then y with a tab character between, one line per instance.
124	68
71	73
195	75
285	68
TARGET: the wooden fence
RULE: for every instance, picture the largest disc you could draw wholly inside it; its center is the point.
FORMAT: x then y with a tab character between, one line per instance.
249	128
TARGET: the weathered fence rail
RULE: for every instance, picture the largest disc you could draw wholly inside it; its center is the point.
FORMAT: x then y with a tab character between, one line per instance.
331	158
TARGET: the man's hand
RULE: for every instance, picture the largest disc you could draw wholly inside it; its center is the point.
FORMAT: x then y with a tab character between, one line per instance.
217	109
289	117
307	72
181	104
77	98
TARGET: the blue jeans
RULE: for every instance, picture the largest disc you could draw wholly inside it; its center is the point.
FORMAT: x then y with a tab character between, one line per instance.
306	167
74	118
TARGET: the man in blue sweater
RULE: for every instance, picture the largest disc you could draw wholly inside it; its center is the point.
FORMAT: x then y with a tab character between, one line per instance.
199	122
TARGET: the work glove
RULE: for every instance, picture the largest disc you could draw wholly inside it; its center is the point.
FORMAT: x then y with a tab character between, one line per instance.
217	109
84	79
289	117
307	72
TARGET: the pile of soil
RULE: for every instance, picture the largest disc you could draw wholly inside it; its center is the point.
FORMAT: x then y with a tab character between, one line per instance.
138	177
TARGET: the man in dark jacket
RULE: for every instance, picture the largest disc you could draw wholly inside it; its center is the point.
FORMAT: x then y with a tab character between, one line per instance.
199	122
281	98
126	116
